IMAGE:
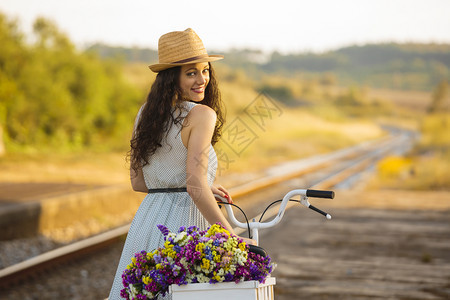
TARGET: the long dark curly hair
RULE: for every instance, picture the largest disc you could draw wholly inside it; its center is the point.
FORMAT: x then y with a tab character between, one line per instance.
157	116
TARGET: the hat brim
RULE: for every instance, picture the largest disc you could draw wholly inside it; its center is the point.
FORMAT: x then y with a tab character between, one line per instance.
160	67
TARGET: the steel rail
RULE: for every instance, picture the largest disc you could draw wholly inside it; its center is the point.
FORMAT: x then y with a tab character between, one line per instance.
360	156
356	166
292	169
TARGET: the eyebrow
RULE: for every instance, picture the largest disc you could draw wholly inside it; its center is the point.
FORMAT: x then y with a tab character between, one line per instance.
195	69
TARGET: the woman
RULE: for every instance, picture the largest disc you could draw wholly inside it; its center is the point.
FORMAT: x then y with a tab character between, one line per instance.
172	158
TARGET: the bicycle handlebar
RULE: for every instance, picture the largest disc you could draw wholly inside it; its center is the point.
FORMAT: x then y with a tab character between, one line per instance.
320	194
304	194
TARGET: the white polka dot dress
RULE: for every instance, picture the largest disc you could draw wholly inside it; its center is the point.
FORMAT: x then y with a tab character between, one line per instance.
166	169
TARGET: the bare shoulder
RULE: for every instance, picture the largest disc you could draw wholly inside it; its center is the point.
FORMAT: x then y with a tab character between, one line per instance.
202	113
200	121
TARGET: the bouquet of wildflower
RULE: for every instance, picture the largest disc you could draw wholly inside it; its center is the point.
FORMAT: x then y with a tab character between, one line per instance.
192	256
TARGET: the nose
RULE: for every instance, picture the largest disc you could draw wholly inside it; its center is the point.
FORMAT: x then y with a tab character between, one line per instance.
202	79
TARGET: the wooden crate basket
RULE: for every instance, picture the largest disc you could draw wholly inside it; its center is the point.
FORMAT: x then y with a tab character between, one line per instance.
247	290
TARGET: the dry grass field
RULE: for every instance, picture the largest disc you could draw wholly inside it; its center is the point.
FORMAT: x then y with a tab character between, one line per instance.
289	133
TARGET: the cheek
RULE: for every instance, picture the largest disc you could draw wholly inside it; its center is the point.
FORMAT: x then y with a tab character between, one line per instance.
185	86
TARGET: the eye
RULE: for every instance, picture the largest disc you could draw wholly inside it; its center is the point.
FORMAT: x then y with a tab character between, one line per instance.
206	71
190	74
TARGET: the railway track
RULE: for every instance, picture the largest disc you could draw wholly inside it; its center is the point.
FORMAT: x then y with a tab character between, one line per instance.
323	172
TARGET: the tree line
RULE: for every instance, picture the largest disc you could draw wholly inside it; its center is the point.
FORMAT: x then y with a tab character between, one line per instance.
406	66
55	96
52	95
398	66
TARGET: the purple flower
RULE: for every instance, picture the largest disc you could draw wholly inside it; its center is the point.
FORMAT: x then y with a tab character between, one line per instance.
228	277
192	229
124	294
164	230
157	258
180	264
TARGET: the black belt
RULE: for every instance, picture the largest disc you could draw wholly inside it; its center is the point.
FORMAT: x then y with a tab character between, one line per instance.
167	190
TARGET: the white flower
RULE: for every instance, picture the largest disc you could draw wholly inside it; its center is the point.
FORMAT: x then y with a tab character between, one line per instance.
189	277
176	268
133	290
232	269
181	238
183	261
240	256
147	293
202	278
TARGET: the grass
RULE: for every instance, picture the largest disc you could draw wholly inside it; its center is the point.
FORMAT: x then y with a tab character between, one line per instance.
295	134
139	75
427	166
313	127
416	101
418	172
80	167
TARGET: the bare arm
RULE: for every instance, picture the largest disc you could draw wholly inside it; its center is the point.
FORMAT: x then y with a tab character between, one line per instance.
137	181
202	120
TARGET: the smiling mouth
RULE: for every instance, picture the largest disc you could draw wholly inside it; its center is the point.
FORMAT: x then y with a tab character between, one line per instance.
198	90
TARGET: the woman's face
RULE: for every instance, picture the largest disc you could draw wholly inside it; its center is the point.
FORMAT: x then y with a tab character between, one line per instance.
193	80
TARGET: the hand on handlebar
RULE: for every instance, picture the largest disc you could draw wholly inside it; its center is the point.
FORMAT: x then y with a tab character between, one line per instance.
221	191
249	241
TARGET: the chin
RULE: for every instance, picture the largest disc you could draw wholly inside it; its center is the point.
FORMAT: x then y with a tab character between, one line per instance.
198	98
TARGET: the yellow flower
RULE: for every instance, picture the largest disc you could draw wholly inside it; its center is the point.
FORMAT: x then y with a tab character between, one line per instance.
205	264
199	247
146	280
241	246
167	244
216	228
217	258
133	263
216	277
171	253
230	244
158	266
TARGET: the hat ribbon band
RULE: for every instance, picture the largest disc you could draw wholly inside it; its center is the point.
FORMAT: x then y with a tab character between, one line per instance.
190	59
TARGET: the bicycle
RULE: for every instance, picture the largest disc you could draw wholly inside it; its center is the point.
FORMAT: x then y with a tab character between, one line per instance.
251	290
253	226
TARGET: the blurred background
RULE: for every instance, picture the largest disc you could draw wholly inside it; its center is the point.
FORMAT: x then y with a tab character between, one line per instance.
73	75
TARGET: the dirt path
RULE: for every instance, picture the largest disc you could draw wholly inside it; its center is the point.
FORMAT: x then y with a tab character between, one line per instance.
363	252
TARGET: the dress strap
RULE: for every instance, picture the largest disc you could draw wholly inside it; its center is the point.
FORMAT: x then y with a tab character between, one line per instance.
167	190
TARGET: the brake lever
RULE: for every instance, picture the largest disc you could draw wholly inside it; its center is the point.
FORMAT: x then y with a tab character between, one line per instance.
305	202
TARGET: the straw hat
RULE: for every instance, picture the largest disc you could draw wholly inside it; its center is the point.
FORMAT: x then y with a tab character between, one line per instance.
180	48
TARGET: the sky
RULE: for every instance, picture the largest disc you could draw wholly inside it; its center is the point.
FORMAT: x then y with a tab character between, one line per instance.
277	25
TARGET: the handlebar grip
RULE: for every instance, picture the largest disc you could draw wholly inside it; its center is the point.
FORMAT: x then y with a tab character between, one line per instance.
257	250
320	194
